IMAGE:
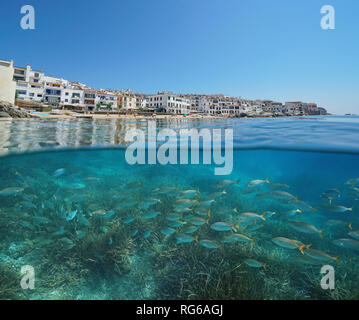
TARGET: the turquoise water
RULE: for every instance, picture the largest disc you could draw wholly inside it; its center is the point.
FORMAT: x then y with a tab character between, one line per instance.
94	227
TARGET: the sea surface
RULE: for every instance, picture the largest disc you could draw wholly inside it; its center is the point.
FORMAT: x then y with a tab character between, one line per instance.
92	226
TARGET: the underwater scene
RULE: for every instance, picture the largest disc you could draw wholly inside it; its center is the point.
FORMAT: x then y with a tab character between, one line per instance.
95	227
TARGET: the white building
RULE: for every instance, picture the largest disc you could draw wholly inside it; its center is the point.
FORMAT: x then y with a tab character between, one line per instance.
301	108
105	100
293	108
201	103
170	102
53	88
141	101
128	100
89	99
29	84
7	85
73	96
33	85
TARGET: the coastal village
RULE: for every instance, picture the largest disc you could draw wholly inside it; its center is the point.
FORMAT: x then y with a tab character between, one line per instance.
33	90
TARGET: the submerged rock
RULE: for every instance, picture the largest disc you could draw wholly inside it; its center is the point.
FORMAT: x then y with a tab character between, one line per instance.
8	110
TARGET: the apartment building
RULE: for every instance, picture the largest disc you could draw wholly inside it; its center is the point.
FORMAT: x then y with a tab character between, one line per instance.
256	106
7	84
33	85
127	100
29	84
141	101
301	108
313	109
89	99
73	96
105	100
169	102
270	106
200	103
215	104
53	90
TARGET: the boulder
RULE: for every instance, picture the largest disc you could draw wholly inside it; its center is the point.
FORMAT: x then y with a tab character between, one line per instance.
9	110
4	115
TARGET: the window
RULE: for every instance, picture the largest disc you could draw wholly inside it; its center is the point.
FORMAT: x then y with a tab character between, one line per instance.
31	94
53	92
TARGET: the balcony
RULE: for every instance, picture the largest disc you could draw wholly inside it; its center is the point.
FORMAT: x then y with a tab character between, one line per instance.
49	92
19	78
19	72
89	102
52	99
53	86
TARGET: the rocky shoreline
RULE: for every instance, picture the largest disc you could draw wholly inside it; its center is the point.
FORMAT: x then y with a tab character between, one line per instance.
8	110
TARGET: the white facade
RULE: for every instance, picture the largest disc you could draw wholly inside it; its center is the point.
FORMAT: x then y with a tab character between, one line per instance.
129	100
7	85
105	100
29	84
33	85
89	99
201	103
53	88
294	108
219	105
73	96
141	102
257	108
170	102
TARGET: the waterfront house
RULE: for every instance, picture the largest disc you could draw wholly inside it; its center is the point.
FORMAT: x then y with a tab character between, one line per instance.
169	102
105	101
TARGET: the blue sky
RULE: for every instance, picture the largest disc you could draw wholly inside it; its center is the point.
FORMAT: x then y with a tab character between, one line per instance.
251	48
